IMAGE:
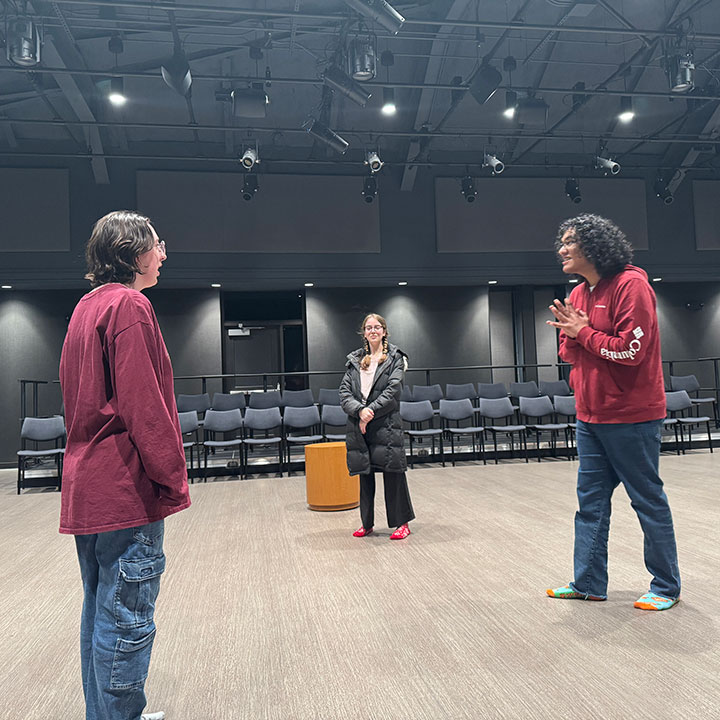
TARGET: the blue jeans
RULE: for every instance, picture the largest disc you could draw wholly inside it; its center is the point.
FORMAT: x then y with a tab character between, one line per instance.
121	577
626	453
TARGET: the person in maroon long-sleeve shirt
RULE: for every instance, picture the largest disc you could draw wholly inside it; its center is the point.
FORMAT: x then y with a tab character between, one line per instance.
124	468
609	334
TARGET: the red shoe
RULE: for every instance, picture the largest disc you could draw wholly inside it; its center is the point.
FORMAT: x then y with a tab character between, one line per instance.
401	533
362	532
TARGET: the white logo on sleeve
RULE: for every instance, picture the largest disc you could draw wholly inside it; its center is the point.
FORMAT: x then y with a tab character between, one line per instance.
638	333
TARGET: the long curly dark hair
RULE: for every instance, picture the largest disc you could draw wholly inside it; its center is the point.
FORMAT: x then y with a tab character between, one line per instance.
600	241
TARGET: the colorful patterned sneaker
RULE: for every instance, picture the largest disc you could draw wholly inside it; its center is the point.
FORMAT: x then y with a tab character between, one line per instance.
567	593
655	602
362	532
401	533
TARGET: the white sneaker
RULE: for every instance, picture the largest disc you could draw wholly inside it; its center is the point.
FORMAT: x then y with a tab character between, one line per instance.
153	716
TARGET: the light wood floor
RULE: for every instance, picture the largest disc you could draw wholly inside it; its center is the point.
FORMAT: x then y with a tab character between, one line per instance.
271	611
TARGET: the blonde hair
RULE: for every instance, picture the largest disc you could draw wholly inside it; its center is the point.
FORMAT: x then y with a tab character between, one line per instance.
365	362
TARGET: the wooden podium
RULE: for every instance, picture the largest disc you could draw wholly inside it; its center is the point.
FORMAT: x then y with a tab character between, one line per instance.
329	486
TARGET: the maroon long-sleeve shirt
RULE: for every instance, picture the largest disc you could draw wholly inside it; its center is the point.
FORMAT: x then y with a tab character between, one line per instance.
124	461
616	363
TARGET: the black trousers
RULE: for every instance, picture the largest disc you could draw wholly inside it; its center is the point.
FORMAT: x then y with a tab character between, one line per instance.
397	499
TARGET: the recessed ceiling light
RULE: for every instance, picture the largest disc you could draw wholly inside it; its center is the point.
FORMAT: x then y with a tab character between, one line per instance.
492	282
658	279
6	287
215	285
402	282
309	284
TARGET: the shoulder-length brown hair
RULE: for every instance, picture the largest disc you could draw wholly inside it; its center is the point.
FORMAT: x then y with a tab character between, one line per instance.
117	240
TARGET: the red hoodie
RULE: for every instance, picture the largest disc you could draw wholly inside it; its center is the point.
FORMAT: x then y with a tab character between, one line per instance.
617	368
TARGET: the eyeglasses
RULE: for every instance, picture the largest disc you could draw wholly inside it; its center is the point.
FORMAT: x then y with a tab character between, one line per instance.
567	243
161	247
376	328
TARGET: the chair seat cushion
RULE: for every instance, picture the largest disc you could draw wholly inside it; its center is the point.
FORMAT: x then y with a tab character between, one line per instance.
187	445
222	443
336	438
40	453
304	438
549	426
465	430
262	441
507	428
694	420
424	433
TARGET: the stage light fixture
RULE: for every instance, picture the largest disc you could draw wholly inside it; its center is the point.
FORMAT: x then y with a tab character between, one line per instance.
626	109
493	162
117	91
511	101
373	161
485	83
339	81
572	190
381	12
388	106
250	102
323	133
23	41
608	165
468	190
663	191
250	187
115	44
176	73
363	58
249	158
680	69
369	190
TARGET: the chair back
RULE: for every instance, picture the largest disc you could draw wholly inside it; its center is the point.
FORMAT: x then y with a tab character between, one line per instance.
456	409
297	398
677	401
223	420
431	393
551	388
536	407
199	403
524	389
328	396
406	394
228	401
415	411
496	408
688	383
43	429
460	392
333	415
492	391
301	417
565	405
262	418
264	400
188	422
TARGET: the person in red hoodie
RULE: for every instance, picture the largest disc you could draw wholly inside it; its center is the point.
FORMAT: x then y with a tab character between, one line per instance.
124	468
609	334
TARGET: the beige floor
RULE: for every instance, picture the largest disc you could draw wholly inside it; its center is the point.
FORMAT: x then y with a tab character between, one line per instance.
269	610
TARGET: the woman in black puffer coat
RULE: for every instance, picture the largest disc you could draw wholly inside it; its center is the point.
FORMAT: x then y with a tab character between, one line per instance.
370	395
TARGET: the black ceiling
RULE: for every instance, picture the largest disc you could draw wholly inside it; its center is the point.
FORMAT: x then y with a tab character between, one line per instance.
615	48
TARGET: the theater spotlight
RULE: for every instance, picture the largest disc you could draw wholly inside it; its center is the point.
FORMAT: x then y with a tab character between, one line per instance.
373	161
485	83
495	163
249	158
468	189
117	91
336	79
626	109
250	187
369	190
380	11
23	41
363	58
511	101
663	191
323	133
607	164
572	190
388	106
176	73
680	69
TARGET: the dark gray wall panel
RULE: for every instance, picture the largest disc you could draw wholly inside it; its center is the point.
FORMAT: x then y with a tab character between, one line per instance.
522	215
545	335
204	212
706	204
35	210
501	335
434	326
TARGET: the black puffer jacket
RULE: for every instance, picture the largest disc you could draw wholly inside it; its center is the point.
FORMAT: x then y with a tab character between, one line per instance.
381	447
